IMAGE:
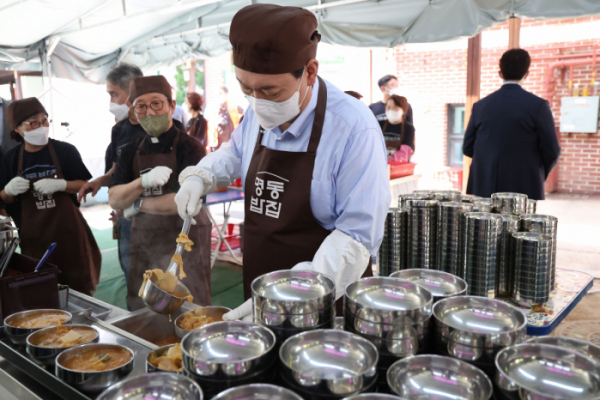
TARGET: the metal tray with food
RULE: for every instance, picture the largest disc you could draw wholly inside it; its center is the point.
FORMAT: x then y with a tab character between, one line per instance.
46	375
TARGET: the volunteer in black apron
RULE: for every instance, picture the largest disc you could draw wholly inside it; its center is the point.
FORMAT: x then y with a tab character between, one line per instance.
144	185
311	158
40	179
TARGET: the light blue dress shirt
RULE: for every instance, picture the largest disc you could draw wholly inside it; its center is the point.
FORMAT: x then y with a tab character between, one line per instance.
350	187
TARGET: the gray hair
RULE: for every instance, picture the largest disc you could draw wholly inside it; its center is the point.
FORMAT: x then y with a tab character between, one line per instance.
122	75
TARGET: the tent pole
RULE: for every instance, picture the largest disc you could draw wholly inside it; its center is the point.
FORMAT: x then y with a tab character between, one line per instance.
18	86
473	92
514	32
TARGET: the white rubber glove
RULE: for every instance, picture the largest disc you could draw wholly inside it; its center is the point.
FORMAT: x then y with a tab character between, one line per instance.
129	212
50	186
340	257
188	198
157	176
16	186
244	311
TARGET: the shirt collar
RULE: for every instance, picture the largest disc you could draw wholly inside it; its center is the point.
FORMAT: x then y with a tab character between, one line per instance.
299	125
511	83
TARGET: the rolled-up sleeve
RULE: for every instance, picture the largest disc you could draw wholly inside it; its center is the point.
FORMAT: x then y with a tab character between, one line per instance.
362	194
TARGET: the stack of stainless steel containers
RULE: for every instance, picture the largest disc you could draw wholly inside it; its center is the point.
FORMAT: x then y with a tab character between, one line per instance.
548	225
509	203
392	252
451	225
290	302
533	267
482	205
422	233
482	241
510	224
531	206
446	195
403	198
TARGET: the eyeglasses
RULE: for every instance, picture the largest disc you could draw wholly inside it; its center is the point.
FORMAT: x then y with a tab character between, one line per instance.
37	124
156	105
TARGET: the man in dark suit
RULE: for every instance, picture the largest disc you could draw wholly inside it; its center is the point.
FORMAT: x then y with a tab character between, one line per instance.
511	136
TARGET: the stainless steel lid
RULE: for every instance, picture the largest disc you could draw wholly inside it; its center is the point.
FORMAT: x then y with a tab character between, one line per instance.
580	346
438	283
257	392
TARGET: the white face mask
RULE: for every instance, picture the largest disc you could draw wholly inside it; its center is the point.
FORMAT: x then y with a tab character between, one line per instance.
394	91
394	116
120	111
271	114
37	137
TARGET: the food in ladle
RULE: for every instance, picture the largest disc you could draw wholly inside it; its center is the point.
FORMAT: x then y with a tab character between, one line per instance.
43	319
65	336
98	360
196	319
171	361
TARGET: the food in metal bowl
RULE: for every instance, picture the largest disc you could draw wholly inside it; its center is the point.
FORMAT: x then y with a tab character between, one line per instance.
43	319
64	336
195	319
171	361
97	359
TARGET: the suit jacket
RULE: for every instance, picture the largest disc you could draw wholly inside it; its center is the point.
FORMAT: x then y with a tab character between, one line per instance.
512	139
7	142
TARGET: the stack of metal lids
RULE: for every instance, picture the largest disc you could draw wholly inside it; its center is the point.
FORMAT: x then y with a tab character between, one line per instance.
392	252
403	198
446	195
533	257
482	241
531	206
422	234
510	224
548	225
451	222
469	198
509	203
482	205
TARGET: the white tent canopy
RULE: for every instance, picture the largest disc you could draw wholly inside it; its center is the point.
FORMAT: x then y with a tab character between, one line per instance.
85	38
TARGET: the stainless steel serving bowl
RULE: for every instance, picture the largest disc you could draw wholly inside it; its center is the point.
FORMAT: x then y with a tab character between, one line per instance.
437	377
440	284
162	302
546	372
474	328
580	346
257	392
328	363
225	350
92	381
159	386
19	335
161	351
47	355
215	312
373	396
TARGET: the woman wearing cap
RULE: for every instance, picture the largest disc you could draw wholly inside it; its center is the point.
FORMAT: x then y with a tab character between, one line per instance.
40	179
312	159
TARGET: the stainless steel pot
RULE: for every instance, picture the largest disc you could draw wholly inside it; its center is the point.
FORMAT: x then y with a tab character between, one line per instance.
440	284
257	392
19	335
46	355
163	386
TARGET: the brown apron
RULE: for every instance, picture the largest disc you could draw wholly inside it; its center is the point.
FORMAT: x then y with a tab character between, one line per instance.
47	219
153	236
280	229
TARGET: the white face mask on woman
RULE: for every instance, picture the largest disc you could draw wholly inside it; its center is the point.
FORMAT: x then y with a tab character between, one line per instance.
271	113
37	137
394	116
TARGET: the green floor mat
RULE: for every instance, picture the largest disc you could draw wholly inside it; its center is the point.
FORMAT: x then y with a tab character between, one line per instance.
231	298
223	279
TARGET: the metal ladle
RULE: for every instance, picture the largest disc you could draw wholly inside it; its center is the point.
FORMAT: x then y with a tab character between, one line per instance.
157	299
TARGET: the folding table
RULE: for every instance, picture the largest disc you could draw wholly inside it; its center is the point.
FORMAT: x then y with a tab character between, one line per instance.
225	198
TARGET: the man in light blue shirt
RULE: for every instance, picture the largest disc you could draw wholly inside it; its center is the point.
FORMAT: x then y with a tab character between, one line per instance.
320	152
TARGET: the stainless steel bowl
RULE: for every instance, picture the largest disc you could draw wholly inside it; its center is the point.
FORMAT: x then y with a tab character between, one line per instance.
162	302
215	312
225	350
257	392
474	328
159	386
385	299
439	284
47	355
580	346
92	381
328	363
436	377
161	351
373	396
19	335
546	372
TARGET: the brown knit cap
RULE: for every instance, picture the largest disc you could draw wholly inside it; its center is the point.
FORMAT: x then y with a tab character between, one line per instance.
271	39
149	84
19	110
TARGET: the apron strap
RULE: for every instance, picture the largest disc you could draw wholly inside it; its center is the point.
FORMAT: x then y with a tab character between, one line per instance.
136	158
317	129
175	143
59	173
20	165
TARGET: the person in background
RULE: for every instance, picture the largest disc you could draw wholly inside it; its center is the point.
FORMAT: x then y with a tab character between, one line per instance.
228	117
197	126
396	109
389	86
179	114
144	185
354	94
126	130
40	179
511	136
